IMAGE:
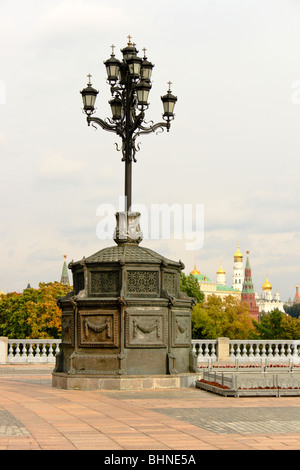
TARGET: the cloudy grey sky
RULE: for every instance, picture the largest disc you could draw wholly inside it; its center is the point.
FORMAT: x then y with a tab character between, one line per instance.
234	146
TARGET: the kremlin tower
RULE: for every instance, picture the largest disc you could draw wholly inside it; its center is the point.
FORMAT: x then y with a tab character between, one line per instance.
64	275
297	296
238	275
248	294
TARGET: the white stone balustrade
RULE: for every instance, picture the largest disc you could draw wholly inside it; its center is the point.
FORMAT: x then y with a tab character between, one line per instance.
249	351
29	350
205	350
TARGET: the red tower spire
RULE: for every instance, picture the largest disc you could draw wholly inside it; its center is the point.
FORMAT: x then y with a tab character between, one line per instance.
248	294
297	296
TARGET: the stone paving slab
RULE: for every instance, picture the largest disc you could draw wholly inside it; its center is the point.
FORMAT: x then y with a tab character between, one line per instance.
34	415
247	420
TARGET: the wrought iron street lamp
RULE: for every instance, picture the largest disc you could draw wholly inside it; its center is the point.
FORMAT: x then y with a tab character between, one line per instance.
130	82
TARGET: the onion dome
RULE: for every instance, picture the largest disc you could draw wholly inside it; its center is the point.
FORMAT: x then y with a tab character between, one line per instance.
221	271
238	255
266	285
195	271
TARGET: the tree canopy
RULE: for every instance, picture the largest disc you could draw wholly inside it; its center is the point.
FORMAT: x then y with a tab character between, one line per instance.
190	286
277	325
32	313
217	317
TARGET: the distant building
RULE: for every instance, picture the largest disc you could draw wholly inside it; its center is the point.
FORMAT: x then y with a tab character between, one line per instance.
297	296
238	272
248	294
266	303
64	275
217	288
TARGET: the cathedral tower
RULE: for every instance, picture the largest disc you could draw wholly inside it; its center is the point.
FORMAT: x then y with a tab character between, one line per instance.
221	277
238	275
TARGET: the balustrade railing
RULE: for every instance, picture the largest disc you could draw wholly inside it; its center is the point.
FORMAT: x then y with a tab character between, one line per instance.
205	350
249	351
32	350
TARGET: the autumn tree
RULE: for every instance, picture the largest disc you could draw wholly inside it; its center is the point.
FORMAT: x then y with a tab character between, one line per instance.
277	325
32	313
218	317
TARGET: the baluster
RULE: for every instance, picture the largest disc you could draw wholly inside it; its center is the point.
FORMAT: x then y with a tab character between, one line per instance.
295	357
206	351
30	356
37	352
251	355
238	350
244	350
44	353
213	352
232	356
288	351
17	357
256	354
10	355
263	351
276	352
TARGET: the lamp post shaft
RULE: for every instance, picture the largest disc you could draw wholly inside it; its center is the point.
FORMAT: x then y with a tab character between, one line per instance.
128	150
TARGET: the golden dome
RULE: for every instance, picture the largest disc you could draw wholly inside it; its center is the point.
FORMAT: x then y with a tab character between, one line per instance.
195	271
266	285
221	271
238	255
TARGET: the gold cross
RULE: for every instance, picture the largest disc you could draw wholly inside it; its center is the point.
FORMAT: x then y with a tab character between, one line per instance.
129	40
144	50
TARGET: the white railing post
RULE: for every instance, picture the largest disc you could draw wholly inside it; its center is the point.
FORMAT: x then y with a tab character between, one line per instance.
3	349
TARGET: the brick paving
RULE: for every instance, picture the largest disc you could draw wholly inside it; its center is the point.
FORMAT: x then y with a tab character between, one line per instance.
36	416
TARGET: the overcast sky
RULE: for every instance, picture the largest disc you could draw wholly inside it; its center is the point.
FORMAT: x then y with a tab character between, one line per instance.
233	148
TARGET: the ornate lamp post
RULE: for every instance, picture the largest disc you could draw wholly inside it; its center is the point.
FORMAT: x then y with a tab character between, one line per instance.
126	323
130	84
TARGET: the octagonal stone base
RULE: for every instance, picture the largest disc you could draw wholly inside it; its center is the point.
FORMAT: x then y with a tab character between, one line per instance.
129	382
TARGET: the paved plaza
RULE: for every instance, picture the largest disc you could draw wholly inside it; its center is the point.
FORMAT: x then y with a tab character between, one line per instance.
34	415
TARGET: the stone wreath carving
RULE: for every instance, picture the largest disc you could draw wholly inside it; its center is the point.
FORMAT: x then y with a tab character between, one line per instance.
146	328
97	327
181	328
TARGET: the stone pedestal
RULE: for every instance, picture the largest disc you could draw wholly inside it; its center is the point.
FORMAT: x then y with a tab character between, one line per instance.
223	349
125	317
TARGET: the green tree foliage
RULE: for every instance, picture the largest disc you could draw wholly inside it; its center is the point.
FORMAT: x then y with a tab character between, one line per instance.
33	313
190	286
218	317
293	310
277	325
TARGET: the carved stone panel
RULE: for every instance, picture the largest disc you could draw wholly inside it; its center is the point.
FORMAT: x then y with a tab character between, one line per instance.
146	329
181	328
170	283
143	282
78	282
98	328
67	328
105	282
